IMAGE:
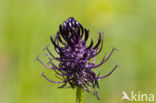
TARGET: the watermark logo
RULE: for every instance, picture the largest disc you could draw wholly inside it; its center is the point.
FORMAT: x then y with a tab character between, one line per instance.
137	96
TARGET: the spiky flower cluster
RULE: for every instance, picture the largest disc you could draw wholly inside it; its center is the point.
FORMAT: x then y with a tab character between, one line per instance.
74	66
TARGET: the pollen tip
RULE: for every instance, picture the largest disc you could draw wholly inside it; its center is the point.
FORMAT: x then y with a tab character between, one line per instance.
42	74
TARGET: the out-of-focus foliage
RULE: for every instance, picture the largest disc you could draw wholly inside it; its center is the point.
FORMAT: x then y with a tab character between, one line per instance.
25	28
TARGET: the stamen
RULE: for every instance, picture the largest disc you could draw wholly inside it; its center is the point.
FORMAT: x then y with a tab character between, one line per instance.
109	72
51	80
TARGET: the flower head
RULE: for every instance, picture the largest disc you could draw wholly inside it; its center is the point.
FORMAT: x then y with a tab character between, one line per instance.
74	58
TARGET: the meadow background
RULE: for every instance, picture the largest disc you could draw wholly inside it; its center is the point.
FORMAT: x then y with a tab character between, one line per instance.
25	28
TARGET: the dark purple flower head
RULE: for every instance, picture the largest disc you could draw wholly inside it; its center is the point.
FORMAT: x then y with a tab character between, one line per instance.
74	66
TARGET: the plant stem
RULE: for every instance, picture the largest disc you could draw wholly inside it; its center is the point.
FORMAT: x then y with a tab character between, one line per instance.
79	95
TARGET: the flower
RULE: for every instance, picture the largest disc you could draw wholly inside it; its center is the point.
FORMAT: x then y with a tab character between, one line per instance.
74	66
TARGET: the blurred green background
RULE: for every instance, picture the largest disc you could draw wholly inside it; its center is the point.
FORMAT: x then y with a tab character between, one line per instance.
25	28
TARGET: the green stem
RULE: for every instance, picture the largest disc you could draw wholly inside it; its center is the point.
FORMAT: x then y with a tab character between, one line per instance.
79	95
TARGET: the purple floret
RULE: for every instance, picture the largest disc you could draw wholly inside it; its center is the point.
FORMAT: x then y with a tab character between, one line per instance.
74	58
